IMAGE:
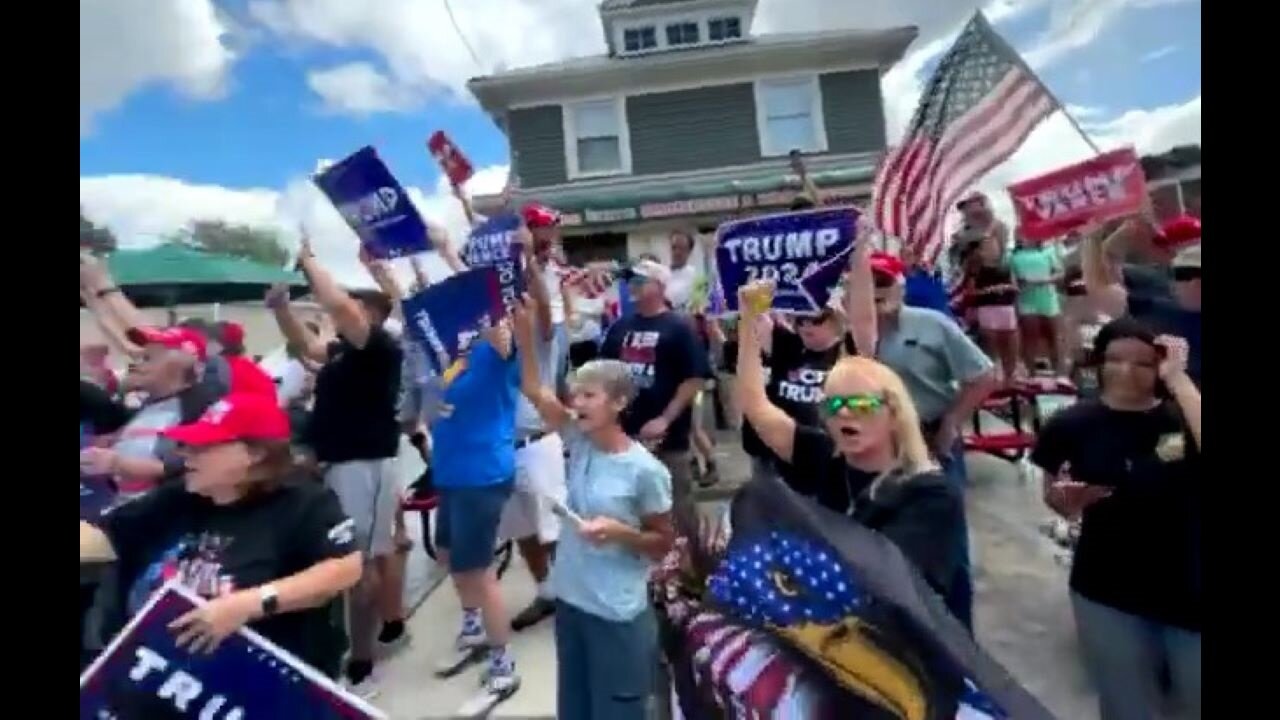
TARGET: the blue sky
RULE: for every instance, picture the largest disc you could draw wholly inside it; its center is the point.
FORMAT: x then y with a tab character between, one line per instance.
231	104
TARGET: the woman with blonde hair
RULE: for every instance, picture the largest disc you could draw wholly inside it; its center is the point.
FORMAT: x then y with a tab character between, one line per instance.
868	461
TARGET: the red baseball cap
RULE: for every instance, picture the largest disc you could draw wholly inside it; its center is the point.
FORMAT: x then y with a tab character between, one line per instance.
238	416
175	338
886	264
231	334
539	216
1181	230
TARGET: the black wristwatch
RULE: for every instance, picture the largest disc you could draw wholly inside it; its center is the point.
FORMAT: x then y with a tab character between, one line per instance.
270	600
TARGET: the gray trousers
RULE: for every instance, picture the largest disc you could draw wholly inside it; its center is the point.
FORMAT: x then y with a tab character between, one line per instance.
604	668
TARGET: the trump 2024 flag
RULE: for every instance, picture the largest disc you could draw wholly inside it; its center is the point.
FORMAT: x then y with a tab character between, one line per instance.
374	204
446	316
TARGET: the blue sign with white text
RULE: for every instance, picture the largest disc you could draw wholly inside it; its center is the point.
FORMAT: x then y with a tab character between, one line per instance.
446	316
144	675
494	244
786	248
374	204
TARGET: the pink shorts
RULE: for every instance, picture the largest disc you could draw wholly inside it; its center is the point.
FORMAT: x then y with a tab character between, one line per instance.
997	317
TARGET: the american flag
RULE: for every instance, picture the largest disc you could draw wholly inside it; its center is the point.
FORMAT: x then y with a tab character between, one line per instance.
980	105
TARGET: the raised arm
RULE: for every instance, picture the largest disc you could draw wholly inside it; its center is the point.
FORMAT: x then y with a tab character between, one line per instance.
775	428
1173	371
467	209
859	295
439	239
382	275
96	280
113	334
348	317
543	398
308	345
1100	256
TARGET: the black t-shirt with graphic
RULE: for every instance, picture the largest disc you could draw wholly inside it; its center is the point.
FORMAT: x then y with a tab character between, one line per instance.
663	352
216	549
922	514
355	401
796	376
1139	548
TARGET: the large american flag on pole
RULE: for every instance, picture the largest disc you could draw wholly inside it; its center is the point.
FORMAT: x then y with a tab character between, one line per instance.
980	105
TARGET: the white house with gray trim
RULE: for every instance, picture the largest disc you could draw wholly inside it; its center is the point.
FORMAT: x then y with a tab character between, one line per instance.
689	120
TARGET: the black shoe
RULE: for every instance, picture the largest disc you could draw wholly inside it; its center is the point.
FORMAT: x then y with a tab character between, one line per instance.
540	609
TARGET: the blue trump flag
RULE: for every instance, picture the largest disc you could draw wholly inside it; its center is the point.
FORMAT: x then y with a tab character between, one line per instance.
445	316
143	674
493	244
785	248
375	205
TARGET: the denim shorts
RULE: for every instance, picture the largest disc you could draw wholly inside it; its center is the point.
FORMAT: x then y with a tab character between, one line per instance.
467	524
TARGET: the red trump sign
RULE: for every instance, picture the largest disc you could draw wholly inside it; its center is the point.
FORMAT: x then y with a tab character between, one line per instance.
1108	186
455	165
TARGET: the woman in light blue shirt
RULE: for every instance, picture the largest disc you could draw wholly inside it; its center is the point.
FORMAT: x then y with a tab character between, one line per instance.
618	524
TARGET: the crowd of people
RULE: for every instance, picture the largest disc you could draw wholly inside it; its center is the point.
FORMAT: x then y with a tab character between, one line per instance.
574	428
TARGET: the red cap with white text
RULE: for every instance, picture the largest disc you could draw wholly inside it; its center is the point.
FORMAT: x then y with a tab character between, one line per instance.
238	416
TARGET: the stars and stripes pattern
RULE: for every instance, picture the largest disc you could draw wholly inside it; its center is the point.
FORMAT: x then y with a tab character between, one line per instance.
585	282
977	109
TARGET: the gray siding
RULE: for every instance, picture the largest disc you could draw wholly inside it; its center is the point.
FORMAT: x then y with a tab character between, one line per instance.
854	111
536	135
692	129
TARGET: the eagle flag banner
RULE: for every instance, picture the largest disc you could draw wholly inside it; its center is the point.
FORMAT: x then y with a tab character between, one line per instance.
445	317
806	614
374	204
785	248
144	675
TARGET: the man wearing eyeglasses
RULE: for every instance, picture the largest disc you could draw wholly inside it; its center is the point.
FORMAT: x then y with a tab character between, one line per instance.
1165	294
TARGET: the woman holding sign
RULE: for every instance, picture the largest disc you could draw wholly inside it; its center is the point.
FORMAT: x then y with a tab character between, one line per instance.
266	547
868	461
619	516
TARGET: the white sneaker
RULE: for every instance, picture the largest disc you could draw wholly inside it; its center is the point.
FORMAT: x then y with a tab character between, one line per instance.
494	689
466	651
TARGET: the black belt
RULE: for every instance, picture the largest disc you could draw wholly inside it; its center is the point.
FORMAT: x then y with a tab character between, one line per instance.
528	440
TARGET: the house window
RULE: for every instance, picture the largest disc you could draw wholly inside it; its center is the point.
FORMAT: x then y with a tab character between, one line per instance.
638	39
597	133
685	33
789	113
726	28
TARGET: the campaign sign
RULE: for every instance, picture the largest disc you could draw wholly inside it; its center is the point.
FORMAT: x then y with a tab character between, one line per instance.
453	163
785	248
1108	186
493	244
97	495
821	284
144	675
374	204
446	316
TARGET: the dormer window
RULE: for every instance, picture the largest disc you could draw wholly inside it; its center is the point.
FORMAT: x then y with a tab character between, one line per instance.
683	33
639	39
725	28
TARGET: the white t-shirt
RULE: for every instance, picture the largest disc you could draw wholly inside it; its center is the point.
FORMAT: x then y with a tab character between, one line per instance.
680	286
551	279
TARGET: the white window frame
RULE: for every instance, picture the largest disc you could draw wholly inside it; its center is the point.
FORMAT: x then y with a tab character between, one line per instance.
815	114
699	25
722	18
571	137
622	39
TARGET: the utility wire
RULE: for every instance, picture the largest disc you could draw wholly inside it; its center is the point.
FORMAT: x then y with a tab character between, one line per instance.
475	58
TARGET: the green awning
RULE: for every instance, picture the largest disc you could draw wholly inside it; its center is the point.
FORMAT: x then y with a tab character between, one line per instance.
634	196
172	274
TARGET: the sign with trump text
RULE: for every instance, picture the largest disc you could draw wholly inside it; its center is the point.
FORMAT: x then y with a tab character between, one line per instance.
1108	186
374	204
494	244
445	317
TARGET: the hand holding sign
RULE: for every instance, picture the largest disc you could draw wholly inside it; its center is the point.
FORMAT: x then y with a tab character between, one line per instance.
204	628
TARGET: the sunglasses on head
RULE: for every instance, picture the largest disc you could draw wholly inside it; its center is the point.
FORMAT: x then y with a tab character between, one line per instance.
1186	274
856	404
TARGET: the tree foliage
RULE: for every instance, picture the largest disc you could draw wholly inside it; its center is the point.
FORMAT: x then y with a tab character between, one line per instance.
258	244
94	237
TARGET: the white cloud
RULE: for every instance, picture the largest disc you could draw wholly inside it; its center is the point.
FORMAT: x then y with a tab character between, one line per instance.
128	44
358	88
1158	53
141	209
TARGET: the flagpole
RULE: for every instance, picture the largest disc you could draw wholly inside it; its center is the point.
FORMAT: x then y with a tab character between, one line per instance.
1027	69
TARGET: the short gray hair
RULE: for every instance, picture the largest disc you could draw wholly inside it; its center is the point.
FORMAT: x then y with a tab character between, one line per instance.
612	375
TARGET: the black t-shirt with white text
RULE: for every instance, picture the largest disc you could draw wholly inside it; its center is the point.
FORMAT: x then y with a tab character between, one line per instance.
1139	548
922	514
355	401
662	352
218	549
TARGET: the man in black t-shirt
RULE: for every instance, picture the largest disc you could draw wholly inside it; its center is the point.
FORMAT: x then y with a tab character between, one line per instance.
354	431
669	366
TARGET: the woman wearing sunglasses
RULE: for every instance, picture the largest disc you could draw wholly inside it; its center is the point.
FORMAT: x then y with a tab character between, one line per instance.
1128	464
868	460
266	547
